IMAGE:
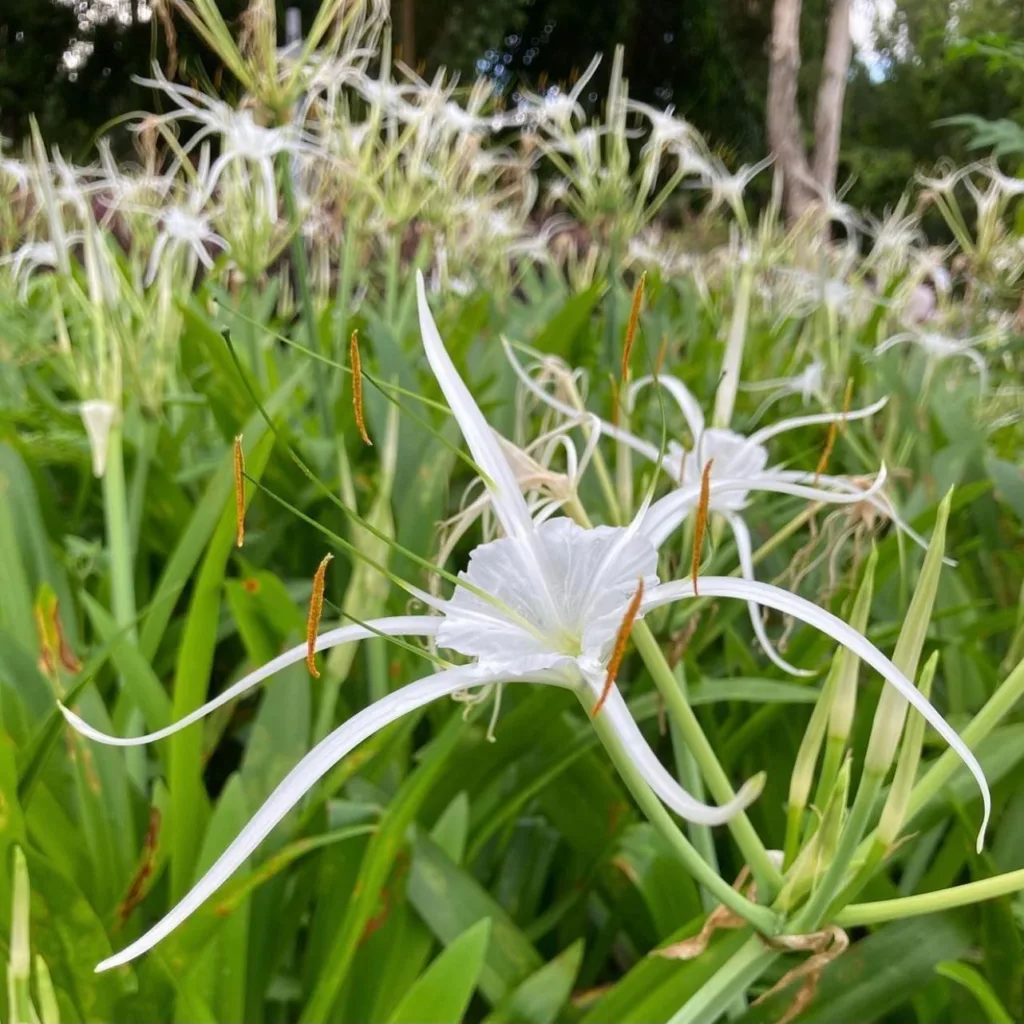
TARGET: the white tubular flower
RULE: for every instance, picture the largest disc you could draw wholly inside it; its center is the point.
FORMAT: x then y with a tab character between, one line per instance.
937	347
543	604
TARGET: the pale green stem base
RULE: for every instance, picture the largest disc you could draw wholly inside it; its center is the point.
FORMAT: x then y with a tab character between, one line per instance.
765	873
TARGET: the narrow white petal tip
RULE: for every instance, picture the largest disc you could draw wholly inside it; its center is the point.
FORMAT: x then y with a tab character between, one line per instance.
751	790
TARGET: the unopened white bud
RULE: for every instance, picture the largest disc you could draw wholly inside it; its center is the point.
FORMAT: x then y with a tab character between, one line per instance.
98	417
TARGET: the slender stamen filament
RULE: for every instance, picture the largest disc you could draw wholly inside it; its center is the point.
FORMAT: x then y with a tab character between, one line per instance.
702	521
357	386
621	638
239	492
316	608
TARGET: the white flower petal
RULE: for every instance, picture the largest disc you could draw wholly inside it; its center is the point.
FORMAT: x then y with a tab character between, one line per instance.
791	604
404	625
746	557
324	756
508	502
783	426
658	778
688	404
638	444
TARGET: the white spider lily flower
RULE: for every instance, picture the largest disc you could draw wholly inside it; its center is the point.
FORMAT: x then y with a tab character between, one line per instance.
29	257
98	417
938	348
557	110
739	466
183	227
543	604
728	188
809	384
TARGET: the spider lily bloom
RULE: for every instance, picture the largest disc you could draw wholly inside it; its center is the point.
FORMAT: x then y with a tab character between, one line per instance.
938	347
543	604
739	466
728	188
808	384
183	227
556	110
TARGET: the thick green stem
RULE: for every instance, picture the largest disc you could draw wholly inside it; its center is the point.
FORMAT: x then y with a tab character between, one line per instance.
736	976
931	902
760	917
765	873
119	542
729	382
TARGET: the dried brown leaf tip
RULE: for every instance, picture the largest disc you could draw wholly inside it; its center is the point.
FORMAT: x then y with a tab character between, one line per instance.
316	608
239	492
357	385
702	522
621	638
147	860
632	324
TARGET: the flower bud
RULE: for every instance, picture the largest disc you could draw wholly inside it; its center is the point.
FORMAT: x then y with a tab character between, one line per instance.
98	417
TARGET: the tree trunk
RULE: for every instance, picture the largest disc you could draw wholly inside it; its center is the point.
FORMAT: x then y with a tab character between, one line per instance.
828	115
784	128
408	34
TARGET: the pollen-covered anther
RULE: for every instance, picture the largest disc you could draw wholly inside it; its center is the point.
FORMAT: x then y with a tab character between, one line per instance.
357	386
239	492
619	650
316	608
702	522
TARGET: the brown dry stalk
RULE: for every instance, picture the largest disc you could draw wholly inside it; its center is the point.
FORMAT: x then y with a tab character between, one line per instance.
631	325
239	492
619	650
316	608
357	385
702	522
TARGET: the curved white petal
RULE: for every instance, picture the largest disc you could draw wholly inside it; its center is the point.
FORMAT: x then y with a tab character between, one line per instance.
791	604
658	778
688	404
638	444
327	753
783	426
402	625
507	499
871	495
896	339
668	512
746	558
